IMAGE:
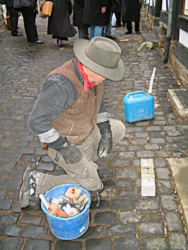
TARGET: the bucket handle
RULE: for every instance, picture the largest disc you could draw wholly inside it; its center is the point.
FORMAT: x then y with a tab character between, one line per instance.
136	94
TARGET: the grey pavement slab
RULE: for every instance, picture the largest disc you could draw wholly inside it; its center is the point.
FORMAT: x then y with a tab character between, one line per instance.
124	220
179	169
179	98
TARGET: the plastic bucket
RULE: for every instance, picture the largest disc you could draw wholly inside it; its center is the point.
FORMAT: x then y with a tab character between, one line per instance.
67	228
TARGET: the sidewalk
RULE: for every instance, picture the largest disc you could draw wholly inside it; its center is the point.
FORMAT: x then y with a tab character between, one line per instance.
125	220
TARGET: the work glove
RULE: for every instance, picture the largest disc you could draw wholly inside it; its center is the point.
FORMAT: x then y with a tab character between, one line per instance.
105	144
70	152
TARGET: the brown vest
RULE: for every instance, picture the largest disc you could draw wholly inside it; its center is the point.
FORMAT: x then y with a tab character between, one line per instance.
77	121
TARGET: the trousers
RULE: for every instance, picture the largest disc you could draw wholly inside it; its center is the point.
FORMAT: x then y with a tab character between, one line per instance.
83	173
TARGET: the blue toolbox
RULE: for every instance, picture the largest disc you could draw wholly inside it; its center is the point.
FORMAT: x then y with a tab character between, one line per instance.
138	106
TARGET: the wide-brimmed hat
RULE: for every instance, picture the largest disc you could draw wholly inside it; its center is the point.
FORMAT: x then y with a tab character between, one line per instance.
102	56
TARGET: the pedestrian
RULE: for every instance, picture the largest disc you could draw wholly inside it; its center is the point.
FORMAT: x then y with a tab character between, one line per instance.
96	15
71	120
116	9
59	25
29	11
14	16
131	13
107	30
78	11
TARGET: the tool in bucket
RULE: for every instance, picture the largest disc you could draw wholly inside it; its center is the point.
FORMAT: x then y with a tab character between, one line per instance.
138	105
68	205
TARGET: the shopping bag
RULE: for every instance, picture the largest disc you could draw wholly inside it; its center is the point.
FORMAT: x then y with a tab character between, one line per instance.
46	10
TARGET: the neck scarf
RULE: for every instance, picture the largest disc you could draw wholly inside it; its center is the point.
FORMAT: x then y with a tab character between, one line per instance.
87	84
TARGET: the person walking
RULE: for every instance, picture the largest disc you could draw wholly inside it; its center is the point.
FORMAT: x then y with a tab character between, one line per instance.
59	25
14	16
71	120
131	13
78	11
29	11
96	15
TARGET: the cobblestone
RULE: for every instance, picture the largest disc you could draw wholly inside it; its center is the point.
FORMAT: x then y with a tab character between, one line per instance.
125	219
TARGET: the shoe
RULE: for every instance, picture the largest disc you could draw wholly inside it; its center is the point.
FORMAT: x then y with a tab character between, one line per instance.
128	32
28	187
111	37
138	32
39	41
96	194
18	34
59	42
116	25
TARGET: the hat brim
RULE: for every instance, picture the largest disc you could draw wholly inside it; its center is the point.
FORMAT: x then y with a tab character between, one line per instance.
114	74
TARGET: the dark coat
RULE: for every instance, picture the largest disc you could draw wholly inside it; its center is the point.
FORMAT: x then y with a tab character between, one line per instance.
59	23
78	11
92	12
130	11
9	3
24	3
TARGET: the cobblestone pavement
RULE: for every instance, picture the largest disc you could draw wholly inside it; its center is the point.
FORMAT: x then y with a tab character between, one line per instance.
124	220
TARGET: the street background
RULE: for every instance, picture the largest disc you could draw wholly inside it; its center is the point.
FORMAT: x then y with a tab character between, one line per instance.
125	220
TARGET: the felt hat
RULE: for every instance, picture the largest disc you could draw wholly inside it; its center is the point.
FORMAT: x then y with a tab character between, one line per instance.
102	56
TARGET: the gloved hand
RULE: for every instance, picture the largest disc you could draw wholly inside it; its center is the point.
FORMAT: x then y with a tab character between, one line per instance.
70	152
105	145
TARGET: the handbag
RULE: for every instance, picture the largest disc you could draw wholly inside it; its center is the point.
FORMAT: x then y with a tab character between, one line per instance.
46	10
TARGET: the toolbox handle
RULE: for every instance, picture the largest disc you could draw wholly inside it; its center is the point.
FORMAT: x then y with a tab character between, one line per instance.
136	94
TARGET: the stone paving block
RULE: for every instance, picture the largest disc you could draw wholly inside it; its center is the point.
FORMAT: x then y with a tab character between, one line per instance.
151	229
60	245
5	204
130	217
12	183
121	164
121	183
153	217
122	230
7	164
126	244
103	205
93	232
131	193
174	222
178	241
12	230
122	204
159	162
105	173
126	173
105	218
145	154
147	204
31	219
45	166
163	173
34	232
165	187
155	244
37	244
93	244
13	193
168	202
2	193
11	243
9	218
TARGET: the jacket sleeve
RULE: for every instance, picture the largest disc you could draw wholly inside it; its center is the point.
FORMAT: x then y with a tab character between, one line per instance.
103	114
56	94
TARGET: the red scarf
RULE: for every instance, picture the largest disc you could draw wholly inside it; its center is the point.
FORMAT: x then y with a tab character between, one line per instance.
87	84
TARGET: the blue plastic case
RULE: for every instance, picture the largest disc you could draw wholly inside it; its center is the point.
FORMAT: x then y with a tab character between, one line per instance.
138	106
